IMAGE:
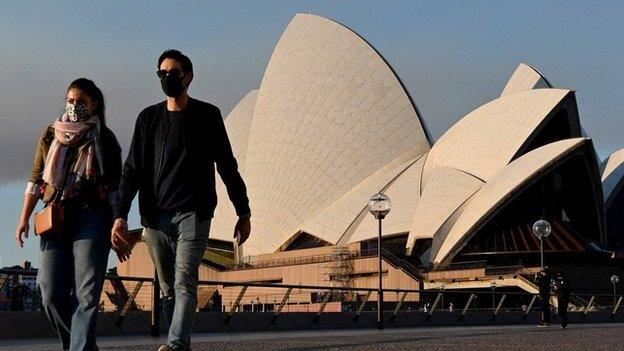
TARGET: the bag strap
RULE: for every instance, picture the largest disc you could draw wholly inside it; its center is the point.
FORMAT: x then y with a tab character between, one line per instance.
56	198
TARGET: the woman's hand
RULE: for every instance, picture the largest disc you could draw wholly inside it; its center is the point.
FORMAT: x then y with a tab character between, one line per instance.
30	200
22	229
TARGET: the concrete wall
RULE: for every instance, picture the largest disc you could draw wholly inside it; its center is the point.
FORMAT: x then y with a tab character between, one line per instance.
27	325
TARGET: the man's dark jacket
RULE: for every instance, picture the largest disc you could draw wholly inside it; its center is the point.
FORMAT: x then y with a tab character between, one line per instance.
543	283
206	142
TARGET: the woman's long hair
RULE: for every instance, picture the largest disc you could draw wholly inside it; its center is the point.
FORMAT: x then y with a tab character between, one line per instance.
94	93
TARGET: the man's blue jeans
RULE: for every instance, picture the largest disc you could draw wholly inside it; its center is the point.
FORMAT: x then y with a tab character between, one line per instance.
71	274
177	244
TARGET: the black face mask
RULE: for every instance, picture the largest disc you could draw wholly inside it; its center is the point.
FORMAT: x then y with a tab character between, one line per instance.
172	85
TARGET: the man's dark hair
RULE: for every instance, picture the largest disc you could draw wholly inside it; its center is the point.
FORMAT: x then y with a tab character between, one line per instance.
187	65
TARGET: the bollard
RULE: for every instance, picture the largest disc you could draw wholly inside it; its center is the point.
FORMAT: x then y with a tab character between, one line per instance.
128	303
155	315
500	304
615	308
361	308
236	304
279	309
323	304
465	310
528	310
589	305
398	307
433	307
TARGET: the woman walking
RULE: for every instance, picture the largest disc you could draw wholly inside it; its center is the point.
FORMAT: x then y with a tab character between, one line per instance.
76	171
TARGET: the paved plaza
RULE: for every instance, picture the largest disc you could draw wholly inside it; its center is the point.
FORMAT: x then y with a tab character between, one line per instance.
508	338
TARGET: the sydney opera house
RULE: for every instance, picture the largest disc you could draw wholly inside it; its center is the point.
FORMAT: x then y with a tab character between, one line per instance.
332	124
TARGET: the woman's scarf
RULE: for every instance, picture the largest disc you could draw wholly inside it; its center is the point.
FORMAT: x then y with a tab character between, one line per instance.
78	130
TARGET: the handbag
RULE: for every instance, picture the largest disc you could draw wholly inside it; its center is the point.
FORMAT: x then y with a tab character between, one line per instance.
49	220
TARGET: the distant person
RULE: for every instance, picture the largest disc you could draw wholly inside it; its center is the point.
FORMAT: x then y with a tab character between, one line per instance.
77	168
171	163
564	290
17	296
543	282
216	301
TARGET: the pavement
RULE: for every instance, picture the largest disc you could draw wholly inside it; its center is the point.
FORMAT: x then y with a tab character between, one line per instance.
464	338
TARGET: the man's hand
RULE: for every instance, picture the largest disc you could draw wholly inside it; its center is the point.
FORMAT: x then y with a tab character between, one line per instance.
243	226
122	256
120	239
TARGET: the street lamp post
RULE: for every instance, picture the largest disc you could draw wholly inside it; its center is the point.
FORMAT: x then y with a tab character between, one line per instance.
542	230
493	287
614	280
379	206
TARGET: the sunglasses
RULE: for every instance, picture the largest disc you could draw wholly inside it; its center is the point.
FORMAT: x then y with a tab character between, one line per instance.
161	73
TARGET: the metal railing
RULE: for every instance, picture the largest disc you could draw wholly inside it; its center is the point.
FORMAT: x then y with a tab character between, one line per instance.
154	321
402	264
253	262
467	265
507	270
427	302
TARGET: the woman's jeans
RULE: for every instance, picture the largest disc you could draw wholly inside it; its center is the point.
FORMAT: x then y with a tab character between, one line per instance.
176	244
71	274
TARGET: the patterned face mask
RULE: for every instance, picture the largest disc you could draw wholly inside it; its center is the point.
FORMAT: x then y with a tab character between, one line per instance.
76	113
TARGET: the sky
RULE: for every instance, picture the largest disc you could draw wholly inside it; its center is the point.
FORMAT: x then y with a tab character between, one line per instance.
452	56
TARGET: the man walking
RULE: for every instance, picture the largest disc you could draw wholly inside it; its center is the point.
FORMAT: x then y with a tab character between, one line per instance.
171	163
543	282
562	284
